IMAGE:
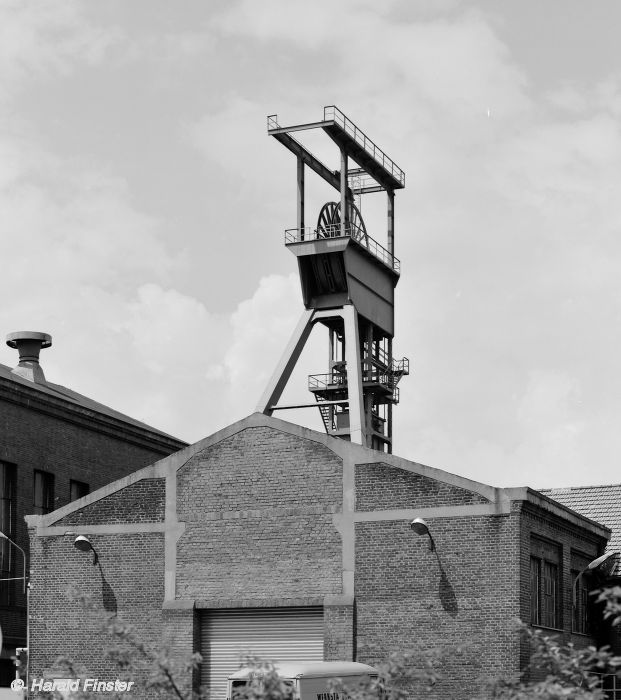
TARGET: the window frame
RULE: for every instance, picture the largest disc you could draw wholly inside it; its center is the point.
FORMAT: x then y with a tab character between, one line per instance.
81	486
582	614
545	584
8	504
47	492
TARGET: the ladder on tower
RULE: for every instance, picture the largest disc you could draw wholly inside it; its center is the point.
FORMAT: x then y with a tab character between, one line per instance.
326	413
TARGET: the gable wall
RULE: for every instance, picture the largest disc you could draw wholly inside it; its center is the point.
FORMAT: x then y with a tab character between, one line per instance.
258	509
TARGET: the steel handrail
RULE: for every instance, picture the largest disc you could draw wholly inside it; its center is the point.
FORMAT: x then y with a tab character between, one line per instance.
323	381
334	113
401	366
296	235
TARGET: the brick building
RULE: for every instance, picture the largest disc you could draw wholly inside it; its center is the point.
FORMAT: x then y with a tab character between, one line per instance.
603	504
600	503
55	446
270	537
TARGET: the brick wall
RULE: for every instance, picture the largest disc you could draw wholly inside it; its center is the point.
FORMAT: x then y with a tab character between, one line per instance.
129	580
340	624
140	502
261	510
380	486
456	603
256	527
258	509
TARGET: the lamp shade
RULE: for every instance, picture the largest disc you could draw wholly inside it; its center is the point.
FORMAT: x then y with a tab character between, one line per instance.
419	526
82	543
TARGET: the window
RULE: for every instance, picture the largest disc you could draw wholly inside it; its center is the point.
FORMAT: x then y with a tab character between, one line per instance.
581	618
545	604
77	489
535	585
581	588
43	497
7	518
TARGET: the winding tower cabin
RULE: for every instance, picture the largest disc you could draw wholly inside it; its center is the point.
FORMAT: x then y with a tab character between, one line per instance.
348	281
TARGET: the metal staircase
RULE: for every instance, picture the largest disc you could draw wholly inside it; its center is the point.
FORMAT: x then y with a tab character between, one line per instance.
327	413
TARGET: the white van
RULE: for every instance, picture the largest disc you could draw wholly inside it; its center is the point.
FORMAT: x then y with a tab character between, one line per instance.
309	681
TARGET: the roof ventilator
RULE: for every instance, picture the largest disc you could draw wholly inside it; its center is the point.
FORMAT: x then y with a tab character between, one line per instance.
29	344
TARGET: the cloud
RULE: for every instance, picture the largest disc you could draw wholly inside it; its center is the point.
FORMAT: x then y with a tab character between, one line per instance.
233	137
76	225
424	62
261	327
45	38
91	268
145	232
505	230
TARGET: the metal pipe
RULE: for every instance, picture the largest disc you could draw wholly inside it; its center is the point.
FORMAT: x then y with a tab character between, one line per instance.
592	566
27	592
301	197
336	402
23	577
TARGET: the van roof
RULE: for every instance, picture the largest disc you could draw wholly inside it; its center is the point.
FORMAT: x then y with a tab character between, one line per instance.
313	669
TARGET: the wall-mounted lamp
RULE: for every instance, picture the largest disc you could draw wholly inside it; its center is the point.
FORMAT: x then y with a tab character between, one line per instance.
420	527
85	545
604	564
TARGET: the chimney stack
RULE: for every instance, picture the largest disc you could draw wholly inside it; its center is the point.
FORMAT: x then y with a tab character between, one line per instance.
29	345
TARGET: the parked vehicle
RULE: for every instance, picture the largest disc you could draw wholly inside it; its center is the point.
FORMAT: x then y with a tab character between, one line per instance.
308	681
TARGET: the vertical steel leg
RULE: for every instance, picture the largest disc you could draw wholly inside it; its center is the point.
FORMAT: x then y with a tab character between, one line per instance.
344	204
391	222
357	421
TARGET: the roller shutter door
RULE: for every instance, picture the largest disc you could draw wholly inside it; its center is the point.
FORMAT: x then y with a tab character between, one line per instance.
274	634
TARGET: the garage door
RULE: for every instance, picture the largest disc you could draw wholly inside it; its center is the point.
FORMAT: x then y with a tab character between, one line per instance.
273	634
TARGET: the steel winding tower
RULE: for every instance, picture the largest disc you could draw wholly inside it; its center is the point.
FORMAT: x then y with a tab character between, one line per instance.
348	283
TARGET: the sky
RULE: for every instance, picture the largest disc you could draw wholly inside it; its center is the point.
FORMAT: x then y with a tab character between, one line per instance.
143	206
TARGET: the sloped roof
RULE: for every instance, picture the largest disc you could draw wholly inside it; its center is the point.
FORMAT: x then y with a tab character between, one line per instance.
62	393
600	503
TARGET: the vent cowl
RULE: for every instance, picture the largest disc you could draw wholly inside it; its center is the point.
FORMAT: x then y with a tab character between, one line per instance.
29	344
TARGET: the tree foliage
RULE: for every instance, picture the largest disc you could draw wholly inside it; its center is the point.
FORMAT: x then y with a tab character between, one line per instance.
558	671
611	597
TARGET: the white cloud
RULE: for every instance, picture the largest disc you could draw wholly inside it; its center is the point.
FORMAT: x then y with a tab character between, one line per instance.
508	230
43	38
77	226
261	327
